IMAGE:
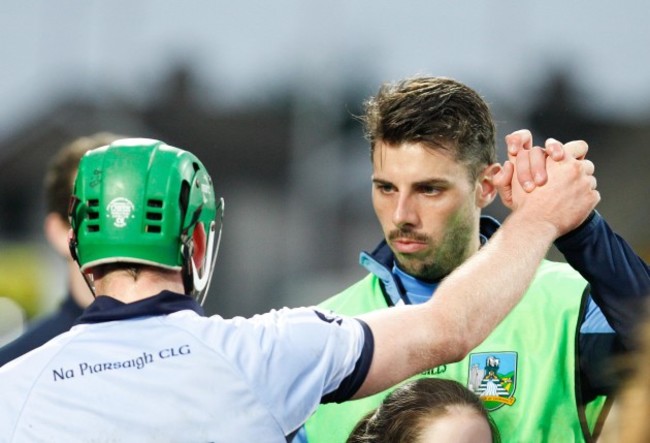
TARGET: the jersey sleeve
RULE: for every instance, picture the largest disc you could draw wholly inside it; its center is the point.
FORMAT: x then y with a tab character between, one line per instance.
297	358
619	278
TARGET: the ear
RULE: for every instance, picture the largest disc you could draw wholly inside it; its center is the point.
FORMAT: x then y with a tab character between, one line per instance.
199	239
486	191
56	232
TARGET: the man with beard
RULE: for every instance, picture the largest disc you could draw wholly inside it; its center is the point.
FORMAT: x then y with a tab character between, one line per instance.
432	145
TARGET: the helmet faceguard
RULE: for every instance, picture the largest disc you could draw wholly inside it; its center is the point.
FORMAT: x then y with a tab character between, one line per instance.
139	201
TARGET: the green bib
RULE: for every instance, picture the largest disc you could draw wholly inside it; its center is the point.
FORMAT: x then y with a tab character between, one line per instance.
525	371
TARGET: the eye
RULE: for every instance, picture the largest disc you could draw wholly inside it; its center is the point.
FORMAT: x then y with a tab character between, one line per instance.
385	188
429	189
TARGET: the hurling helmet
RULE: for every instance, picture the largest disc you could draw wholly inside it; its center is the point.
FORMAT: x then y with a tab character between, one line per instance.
139	201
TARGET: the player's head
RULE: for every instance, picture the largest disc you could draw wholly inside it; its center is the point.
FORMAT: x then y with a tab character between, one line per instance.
433	157
439	112
426	410
139	202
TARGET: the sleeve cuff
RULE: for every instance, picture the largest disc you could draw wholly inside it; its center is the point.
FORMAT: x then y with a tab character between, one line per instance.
574	237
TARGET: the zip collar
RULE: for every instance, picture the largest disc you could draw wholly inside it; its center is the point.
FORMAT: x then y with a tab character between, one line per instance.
381	260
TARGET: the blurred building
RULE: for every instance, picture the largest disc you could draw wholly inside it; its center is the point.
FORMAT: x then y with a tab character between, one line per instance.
288	214
295	173
616	146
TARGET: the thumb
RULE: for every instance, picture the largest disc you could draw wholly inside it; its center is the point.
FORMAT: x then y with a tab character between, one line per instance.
577	149
503	182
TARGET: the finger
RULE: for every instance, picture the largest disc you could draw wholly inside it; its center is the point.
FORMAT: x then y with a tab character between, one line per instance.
518	140
509	170
522	167
504	176
538	166
502	180
588	166
576	148
554	149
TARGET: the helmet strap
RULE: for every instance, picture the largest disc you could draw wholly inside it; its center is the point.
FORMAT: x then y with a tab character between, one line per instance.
186	272
73	244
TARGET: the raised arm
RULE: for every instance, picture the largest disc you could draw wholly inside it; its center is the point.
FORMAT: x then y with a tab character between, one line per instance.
474	298
619	278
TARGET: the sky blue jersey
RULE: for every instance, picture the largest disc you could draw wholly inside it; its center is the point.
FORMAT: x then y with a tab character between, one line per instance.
158	371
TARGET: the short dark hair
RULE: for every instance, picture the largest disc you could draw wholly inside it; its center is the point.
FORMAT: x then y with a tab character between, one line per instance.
62	169
434	111
401	416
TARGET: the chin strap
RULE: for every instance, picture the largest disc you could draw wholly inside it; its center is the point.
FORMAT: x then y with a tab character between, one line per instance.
73	244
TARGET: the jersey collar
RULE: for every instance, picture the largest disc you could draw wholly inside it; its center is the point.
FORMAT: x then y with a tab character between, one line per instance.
106	308
381	262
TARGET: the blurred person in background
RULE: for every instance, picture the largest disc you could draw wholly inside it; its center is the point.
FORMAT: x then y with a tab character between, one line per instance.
543	373
12	318
58	182
143	363
629	422
428	410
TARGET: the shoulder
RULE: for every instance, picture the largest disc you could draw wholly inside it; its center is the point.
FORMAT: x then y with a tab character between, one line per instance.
363	296
558	271
29	367
556	284
291	326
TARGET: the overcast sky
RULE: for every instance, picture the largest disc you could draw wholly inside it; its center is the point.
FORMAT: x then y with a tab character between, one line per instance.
52	49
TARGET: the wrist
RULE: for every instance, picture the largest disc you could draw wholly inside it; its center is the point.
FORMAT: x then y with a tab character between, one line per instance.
534	226
576	235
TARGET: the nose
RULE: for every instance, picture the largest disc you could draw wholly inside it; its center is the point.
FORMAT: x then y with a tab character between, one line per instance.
405	213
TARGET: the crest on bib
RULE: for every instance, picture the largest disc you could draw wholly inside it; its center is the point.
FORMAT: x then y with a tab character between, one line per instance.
493	376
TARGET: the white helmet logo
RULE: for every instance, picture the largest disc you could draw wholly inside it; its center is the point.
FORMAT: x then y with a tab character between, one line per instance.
206	191
120	210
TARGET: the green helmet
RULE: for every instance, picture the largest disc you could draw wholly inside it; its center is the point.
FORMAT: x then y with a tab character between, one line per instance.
138	201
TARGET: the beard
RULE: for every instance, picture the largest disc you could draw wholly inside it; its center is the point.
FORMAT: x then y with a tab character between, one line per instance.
442	256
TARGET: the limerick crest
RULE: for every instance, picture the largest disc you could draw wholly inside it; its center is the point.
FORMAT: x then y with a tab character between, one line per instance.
493	377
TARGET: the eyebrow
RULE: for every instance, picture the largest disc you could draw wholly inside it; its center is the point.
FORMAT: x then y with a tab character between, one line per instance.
429	182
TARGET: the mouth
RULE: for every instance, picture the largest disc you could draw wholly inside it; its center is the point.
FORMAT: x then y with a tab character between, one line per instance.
407	246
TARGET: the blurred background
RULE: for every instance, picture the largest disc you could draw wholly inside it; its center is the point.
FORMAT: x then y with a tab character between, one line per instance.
265	93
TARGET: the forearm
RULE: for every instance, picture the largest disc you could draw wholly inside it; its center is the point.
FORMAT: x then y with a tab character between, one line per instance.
619	279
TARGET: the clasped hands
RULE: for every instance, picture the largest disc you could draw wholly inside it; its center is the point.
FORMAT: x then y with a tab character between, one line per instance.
561	170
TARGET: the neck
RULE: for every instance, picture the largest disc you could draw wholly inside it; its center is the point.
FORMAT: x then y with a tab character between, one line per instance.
77	285
122	286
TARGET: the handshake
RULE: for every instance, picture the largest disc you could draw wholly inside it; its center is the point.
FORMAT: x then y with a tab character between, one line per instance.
554	183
